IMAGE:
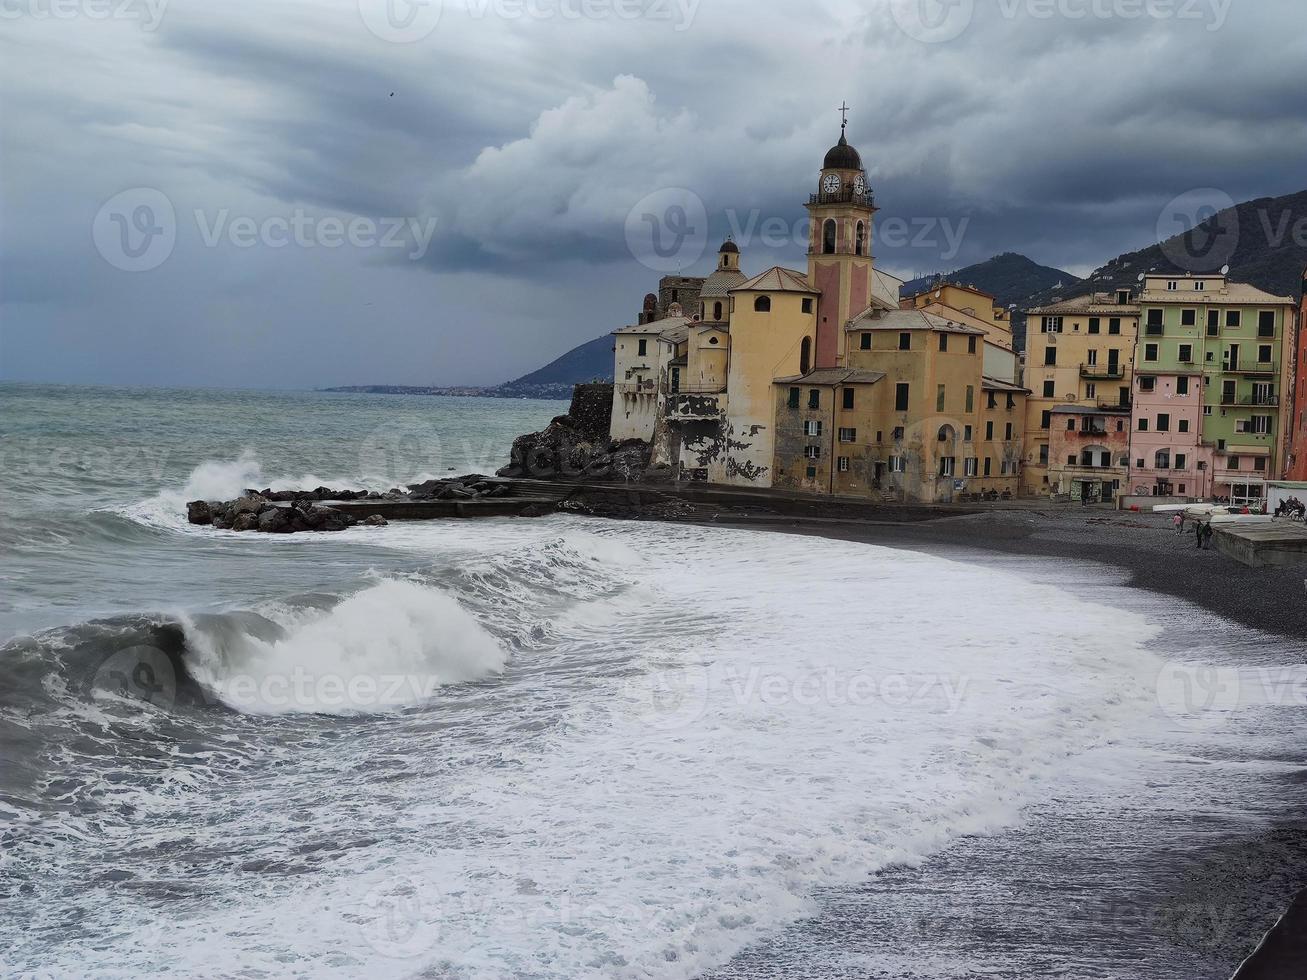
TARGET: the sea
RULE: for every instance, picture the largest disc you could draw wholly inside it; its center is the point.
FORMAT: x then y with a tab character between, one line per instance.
569	747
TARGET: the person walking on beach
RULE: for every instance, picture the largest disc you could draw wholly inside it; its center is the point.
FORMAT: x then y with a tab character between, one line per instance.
1198	534
1178	521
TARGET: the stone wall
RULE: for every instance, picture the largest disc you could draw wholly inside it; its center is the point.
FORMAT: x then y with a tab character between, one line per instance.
591	411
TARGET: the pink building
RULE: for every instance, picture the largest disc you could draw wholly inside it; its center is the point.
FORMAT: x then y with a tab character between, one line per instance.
1167	456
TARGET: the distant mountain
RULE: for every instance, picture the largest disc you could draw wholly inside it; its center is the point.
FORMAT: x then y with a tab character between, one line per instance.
592	361
1264	242
1010	278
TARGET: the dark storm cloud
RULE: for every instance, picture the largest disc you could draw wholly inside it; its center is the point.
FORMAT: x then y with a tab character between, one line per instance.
528	141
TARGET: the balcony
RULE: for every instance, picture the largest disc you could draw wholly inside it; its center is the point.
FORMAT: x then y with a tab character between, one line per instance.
1254	370
648	387
1108	405
845	195
1099	372
1247	401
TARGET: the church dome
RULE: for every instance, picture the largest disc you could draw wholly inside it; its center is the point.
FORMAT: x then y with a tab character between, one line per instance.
841	156
729	246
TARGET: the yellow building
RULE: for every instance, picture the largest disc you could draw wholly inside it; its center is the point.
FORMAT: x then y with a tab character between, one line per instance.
1079	362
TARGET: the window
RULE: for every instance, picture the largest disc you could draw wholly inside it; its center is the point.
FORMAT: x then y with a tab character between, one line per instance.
971	345
1155	323
1071	459
812	472
1207	409
1264	354
1050	324
717	310
1143	425
1213	323
812	452
1180	460
991	400
762	304
812	427
1120	425
1122	297
1182	385
814	398
828	237
1114	325
971	399
905	341
1092	357
793	401
1007	432
1139	464
943	343
1150	352
1266	323
643	349
843	464
859	239
1095	325
1050	357
1172	286
866	341
989	431
1260	425
1045	420
1233	318
807	304
1188	318
1182	425
946	433
1043	455
805	355
989	465
1163	422
1091	390
947	465
1048	390
898	433
1162	460
1071	425
1234	462
848	435
896	464
1259	463
1200	285
848	398
939	398
970	466
900	397
1186	353
1147	383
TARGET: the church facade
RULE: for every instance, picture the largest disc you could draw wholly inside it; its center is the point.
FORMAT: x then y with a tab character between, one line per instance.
824	379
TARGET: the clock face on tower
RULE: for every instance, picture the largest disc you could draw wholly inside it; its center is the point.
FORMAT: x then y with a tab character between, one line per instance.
830	183
859	185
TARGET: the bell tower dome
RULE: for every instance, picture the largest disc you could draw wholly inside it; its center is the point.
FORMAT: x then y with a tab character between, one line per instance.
839	244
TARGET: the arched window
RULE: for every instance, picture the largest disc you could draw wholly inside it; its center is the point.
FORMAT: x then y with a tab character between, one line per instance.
805	355
828	237
859	239
945	433
717	310
1163	459
762	304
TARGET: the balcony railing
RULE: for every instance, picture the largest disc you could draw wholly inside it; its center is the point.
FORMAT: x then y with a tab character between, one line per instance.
1100	372
1254	401
1107	404
638	388
845	195
1269	370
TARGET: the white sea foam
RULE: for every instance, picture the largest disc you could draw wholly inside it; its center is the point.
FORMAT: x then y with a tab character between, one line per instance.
390	645
737	721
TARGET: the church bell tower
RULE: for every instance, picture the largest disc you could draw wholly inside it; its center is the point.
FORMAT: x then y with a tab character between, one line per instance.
839	245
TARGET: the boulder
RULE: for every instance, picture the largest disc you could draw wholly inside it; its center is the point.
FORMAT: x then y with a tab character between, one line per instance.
275	520
199	512
330	519
245	522
375	520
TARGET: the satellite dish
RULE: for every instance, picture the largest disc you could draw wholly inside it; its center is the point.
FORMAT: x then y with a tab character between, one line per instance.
1225	270
939	293
1141	277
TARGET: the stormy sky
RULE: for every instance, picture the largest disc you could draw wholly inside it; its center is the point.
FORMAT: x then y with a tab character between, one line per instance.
299	193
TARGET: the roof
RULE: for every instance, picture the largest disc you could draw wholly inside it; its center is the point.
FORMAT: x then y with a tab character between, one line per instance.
841	156
940	284
826	377
721	282
1088	303
1233	293
1088	410
655	326
898	319
677	333
994	384
777	280
729	246
958	316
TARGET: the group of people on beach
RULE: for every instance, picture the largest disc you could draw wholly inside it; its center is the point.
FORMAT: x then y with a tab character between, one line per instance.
1293	508
1202	530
